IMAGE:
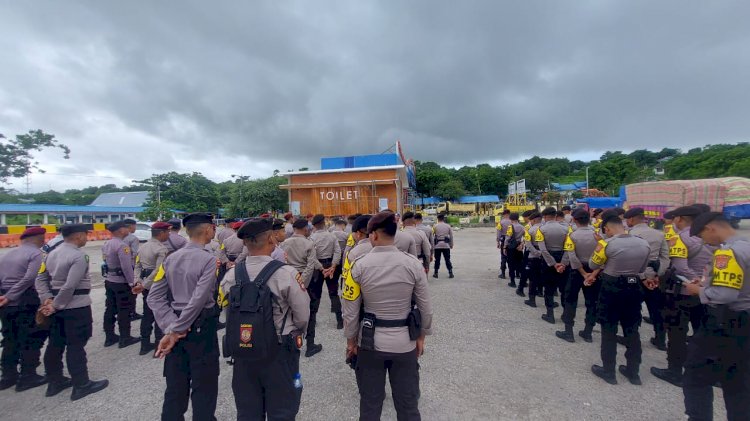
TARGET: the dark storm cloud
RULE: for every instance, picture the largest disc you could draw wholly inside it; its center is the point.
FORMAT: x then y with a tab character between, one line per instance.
276	85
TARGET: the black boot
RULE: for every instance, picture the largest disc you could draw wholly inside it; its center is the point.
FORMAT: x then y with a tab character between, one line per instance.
586	333
520	293
435	275
111	339
606	375
29	381
450	274
9	379
621	340
313	349
126	341
88	388
566	334
660	341
57	386
648	320
631	374
339	321
502	275
672	375
550	316
146	346
512	283
531	302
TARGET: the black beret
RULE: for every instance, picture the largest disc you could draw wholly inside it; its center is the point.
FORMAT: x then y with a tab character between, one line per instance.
549	211
407	215
634	212
114	226
253	227
300	223
533	215
686	211
597	211
380	220
526	214
70	229
566	208
230	220
417	216
360	223
668	215
278	224
610	218
619	211
513	216
318	219
197	219
176	223
704	219
580	214
702	207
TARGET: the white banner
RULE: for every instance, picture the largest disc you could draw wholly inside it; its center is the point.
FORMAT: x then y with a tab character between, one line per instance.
521	186
512	188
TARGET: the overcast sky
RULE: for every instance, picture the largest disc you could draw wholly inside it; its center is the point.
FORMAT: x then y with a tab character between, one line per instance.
248	87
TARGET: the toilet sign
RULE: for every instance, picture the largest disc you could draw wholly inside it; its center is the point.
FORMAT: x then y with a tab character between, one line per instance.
339	195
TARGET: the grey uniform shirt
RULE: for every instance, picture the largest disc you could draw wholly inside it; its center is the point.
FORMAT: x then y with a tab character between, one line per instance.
118	255
223	234
66	270
18	270
277	254
625	255
569	220
657	243
430	236
726	282
134	243
342	238
190	275
554	234
406	243
288	229
326	246
150	257
698	256
301	254
443	236
422	243
387	279
284	286
175	242
518	232
504	224
531	246
230	248
584	243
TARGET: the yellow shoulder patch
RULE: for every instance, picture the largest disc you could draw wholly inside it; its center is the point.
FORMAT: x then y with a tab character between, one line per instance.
43	267
509	231
727	272
351	290
159	274
222	247
677	247
570	229
526	235
138	258
600	254
350	241
569	244
539	237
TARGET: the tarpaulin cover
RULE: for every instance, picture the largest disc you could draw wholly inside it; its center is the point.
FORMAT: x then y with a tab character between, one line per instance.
717	193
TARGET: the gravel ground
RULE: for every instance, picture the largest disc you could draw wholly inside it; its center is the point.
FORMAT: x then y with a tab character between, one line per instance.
490	358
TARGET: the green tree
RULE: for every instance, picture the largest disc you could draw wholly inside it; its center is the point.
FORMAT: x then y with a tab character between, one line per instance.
537	181
186	192
254	197
16	159
430	176
450	190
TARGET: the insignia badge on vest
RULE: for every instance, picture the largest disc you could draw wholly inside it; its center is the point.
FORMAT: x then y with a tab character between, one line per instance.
246	335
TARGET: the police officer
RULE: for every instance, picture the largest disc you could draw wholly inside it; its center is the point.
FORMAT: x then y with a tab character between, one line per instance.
502	228
658	260
621	264
223	232
22	339
579	247
231	247
133	243
423	244
524	275
175	240
719	349
119	286
362	246
513	247
406	243
385	281
668	228
302	255
342	236
596	220
443	245
328	252
63	285
567	215
690	258
150	258
279	235
550	237
427	231
534	264
182	299
289	227
266	389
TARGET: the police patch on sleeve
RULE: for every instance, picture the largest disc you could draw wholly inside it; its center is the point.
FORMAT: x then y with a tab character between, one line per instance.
526	235
539	236
726	271
126	250
569	244
138	258
350	241
509	231
43	267
351	290
600	254
159	274
677	248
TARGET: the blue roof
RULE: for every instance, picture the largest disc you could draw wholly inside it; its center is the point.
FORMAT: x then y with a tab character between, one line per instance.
602	202
479	199
360	161
569	187
126	199
428	200
41	208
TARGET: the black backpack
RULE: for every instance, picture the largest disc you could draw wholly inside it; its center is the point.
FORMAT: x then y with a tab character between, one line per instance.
250	331
513	242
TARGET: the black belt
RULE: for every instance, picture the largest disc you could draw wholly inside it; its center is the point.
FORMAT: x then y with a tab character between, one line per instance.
116	271
421	257
622	278
391	323
75	292
232	258
326	263
145	273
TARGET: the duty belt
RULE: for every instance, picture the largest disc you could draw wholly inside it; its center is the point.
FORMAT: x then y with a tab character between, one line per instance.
232	258
75	292
115	271
145	273
326	262
629	279
391	323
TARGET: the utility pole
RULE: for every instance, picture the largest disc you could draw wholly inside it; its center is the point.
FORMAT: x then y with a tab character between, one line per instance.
241	179
587	181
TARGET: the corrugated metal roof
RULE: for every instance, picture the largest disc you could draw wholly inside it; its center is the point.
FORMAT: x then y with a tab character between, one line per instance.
41	208
359	161
340	170
479	199
126	199
428	200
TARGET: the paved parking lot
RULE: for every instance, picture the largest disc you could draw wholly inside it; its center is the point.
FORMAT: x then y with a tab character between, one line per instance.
490	358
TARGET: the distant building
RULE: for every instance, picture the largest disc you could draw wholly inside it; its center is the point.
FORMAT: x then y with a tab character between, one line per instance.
107	207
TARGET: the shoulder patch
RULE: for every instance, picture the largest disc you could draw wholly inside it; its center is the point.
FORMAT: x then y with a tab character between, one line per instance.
43	267
600	253
539	237
159	274
138	258
126	250
677	247
351	290
509	231
726	270
569	244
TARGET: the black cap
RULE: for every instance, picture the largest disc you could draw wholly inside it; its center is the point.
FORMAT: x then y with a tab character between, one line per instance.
197	219
549	211
114	226
668	215
634	212
704	219
176	223
360	223
702	207
300	223
686	211
129	221
254	227
566	208
278	224
318	219
70	229
384	220
407	215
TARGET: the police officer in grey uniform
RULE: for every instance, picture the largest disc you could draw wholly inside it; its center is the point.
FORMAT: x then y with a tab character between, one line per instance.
385	281
132	241
690	259
532	271
659	262
513	247
719	349
502	228
328	253
423	244
63	285
231	246
289	227
22	339
621	265
302	255
550	237
119	286
182	299
406	243
360	248
443	245
579	247
427	231
150	258
175	240
567	215
279	235
266	389
342	237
